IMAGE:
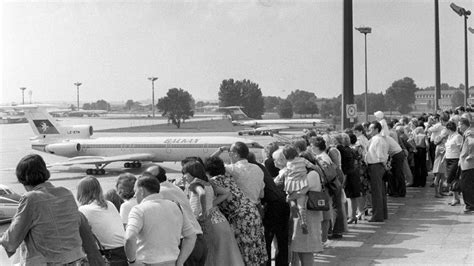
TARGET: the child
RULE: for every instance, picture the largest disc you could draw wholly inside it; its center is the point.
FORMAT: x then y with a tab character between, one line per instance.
296	184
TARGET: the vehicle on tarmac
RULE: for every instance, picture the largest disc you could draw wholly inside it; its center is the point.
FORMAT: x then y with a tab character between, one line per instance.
76	143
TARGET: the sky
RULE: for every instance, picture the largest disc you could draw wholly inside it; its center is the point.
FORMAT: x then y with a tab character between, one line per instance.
111	47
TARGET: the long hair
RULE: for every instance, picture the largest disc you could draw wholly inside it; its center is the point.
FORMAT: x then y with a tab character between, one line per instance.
89	190
195	169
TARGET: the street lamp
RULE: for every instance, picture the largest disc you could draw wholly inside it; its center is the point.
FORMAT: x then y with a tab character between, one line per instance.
153	93
23	94
77	84
365	30
30	93
463	12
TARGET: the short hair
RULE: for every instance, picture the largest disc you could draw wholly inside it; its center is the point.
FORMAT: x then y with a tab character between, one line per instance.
150	183
318	142
127	182
214	166
359	127
191	159
89	190
271	148
390	124
251	158
300	145
377	125
451	126
465	121
444	117
115	198
241	149
157	172
353	138
308	156
290	152
31	170
196	170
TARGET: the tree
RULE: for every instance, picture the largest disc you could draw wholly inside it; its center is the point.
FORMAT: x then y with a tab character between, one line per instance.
99	105
300	96
243	93
285	109
177	106
375	102
457	99
401	95
271	103
129	104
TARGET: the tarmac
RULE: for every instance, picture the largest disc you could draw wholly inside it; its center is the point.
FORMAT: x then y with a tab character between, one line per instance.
421	230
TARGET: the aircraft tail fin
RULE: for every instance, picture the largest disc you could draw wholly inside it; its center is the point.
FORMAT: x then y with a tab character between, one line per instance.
42	123
235	112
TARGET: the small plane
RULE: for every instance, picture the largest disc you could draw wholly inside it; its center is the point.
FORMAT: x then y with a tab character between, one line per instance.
270	126
76	143
79	113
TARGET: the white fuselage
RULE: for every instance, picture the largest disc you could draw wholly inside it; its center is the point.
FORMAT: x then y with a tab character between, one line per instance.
160	148
291	123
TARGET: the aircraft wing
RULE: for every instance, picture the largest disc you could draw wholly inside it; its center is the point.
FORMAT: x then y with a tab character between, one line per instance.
105	160
272	128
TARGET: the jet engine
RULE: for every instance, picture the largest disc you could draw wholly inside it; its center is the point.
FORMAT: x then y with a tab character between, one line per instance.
63	149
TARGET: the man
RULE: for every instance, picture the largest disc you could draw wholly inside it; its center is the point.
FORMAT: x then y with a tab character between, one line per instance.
276	215
155	226
47	221
248	177
376	158
466	162
171	192
396	184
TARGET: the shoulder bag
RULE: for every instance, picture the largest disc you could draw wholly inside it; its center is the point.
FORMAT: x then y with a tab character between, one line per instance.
318	200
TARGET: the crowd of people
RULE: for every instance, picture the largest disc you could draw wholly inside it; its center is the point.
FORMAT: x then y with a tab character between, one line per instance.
238	213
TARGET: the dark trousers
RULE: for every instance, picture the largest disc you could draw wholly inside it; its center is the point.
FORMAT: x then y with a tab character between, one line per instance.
431	153
275	223
452	172
379	197
467	187
199	253
338	227
419	177
396	183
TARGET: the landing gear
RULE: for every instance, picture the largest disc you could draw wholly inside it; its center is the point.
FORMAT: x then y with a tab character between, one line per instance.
95	171
132	165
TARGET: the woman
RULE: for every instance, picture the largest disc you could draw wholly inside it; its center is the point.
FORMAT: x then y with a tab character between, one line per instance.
42	210
242	214
352	180
422	145
304	246
269	162
124	186
439	164
104	220
453	151
360	173
222	246
318	148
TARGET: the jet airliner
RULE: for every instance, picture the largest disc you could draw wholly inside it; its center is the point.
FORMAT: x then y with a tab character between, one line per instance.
76	143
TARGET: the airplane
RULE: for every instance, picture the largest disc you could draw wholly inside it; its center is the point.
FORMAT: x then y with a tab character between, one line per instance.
270	126
76	143
79	113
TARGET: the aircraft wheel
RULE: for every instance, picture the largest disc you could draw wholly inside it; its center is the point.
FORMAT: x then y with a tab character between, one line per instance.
240	133
89	171
138	165
101	172
126	165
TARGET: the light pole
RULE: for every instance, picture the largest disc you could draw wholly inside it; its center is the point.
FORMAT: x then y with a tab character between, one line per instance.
77	86
153	94
463	12
23	94
365	30
30	93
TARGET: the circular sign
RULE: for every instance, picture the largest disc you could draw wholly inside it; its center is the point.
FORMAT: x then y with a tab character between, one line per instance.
351	110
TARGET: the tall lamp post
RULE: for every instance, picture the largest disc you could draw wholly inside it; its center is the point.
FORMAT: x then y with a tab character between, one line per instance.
30	93
365	30
77	84
463	12
23	94
152	79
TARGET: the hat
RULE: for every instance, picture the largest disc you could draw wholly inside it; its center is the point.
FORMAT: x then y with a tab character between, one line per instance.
379	114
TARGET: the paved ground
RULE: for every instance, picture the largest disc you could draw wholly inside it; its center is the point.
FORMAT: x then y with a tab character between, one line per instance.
420	230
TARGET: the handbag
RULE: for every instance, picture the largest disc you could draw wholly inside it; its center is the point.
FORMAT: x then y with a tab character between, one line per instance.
318	200
112	257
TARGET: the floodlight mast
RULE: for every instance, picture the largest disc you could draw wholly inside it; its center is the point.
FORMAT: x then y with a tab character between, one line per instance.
464	12
152	79
365	30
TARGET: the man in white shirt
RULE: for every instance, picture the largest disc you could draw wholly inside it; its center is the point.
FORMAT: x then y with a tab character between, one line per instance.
376	158
171	192
155	227
249	177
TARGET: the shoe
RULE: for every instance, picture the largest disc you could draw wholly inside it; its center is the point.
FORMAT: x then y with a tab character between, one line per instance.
468	209
372	220
438	196
454	202
335	236
352	220
359	216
